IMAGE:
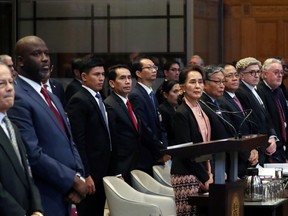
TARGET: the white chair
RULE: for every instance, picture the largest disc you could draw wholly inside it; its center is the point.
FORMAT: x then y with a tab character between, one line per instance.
123	200
162	174
144	183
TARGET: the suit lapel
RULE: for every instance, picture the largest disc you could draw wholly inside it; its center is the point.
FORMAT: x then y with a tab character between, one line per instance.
39	100
95	104
231	101
10	152
124	110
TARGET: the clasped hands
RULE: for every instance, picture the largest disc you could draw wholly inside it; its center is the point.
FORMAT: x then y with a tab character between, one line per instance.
78	191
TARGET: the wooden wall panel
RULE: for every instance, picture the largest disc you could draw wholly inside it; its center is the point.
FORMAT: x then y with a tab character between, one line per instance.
262	27
267	39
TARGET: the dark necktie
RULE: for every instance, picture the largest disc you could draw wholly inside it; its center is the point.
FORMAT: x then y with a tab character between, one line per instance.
12	137
152	98
53	109
216	105
101	106
103	112
132	114
281	113
238	103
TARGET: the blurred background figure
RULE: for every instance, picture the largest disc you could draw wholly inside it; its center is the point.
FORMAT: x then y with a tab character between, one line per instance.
54	86
196	60
7	60
171	72
76	84
170	91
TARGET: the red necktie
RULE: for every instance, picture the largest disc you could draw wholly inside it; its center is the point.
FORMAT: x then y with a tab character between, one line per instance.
131	114
48	100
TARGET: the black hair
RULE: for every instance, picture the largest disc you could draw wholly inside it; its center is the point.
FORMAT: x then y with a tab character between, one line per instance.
168	85
89	62
168	64
112	71
184	73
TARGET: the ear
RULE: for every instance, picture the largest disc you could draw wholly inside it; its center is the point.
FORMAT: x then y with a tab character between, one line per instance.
165	73
111	83
165	95
138	73
84	76
20	61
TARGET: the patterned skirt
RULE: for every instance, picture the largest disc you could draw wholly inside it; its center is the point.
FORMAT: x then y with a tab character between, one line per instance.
184	186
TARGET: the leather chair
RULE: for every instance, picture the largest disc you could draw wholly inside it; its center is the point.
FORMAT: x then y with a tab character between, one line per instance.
144	183
162	174
124	200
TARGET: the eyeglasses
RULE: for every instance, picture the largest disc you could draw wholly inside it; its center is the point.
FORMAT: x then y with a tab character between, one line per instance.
231	75
278	72
10	66
218	82
253	72
151	67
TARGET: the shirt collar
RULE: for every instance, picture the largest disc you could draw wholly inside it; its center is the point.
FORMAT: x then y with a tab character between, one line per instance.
147	89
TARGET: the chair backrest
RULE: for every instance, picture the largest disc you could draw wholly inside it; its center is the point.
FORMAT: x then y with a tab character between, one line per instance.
162	174
124	200
144	183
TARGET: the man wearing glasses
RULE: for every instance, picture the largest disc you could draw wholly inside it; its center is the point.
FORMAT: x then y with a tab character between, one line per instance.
145	104
231	104
249	71
214	80
171	72
275	104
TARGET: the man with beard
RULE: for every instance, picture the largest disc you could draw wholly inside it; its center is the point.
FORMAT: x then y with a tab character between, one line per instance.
54	159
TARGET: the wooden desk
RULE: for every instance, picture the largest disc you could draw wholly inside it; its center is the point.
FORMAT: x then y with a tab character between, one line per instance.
269	208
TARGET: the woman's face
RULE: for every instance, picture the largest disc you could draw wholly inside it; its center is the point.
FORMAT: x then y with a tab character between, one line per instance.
193	86
172	95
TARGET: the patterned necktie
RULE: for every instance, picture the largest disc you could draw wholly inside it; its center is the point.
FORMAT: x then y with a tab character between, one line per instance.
53	109
238	103
12	137
132	114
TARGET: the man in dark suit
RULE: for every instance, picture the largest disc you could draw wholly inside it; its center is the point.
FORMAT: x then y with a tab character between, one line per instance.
55	87
275	103
39	115
76	84
18	194
125	125
90	129
213	90
145	105
249	71
234	109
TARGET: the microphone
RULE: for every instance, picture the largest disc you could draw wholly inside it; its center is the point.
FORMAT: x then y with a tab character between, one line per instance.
218	113
245	119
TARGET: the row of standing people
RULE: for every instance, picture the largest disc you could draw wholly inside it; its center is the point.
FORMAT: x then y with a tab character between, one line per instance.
69	158
115	138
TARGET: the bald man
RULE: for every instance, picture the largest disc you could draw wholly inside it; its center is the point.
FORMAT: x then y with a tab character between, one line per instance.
39	115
